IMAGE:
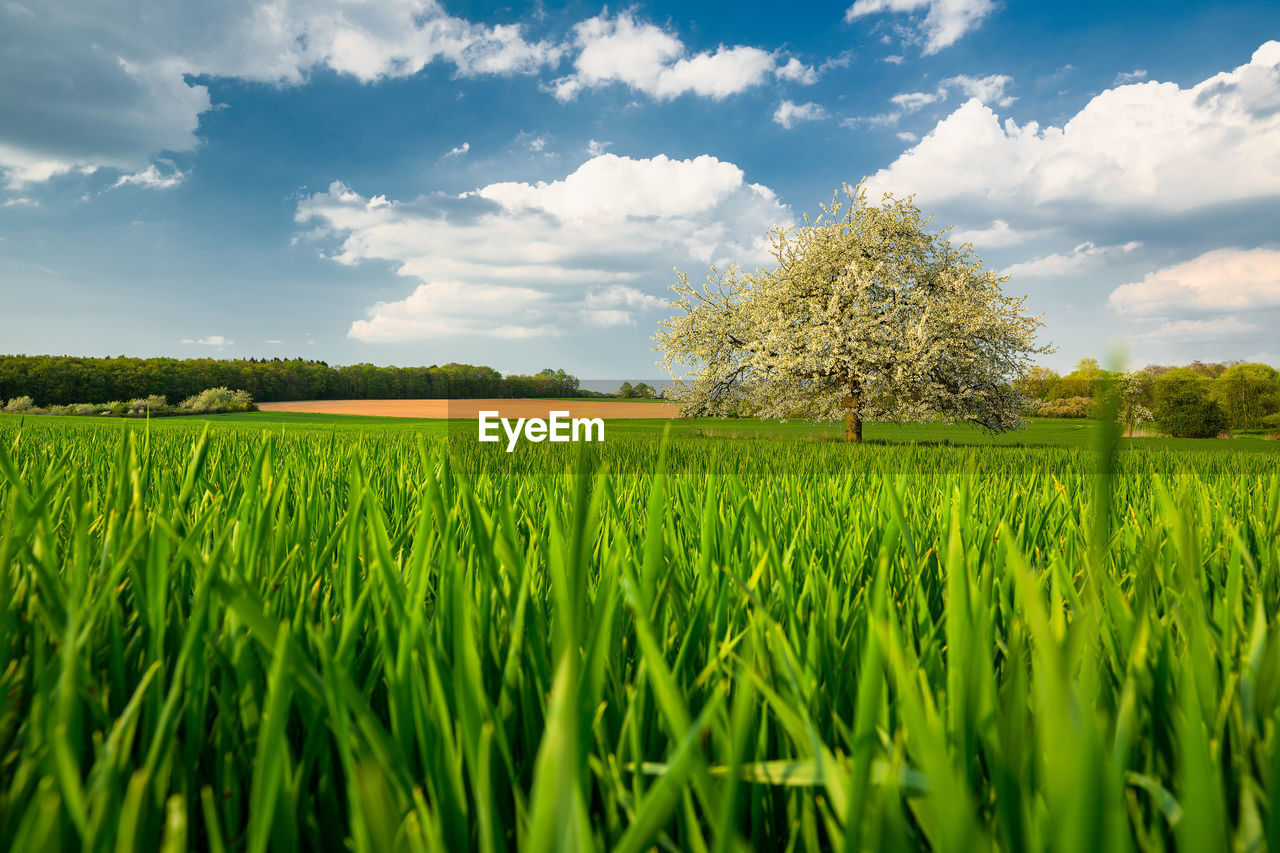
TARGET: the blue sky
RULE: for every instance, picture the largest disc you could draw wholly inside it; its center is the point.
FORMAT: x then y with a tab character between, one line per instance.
407	182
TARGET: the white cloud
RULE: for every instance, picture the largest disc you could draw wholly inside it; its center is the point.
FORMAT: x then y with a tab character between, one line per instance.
843	59
1270	358
788	113
1151	145
797	72
617	304
450	308
1134	76
907	136
989	89
210	341
152	178
519	258
596	148
619	294
909	102
998	235
459	150
20	201
944	23
651	60
1220	280
274	341
1082	257
1183	331
106	85
606	317
893	59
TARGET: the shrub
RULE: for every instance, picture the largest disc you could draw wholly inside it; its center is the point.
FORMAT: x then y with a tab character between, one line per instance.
155	404
1068	407
1272	421
115	407
1184	410
20	404
85	408
213	400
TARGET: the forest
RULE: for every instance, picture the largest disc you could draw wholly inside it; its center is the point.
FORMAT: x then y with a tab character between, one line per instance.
59	380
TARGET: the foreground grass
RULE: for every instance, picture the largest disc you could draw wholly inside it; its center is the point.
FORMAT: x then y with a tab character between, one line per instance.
375	638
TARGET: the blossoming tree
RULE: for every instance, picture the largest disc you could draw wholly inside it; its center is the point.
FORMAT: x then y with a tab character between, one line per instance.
866	316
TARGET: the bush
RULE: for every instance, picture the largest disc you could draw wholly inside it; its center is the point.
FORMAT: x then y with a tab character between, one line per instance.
1184	410
156	404
1272	421
20	404
1068	407
85	408
115	407
213	400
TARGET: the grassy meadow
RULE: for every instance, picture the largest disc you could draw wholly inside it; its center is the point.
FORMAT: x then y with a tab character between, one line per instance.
298	632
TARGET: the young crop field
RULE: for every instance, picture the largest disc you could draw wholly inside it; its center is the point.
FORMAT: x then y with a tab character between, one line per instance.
296	633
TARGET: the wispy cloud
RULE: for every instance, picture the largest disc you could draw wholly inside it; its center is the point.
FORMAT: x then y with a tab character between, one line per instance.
945	21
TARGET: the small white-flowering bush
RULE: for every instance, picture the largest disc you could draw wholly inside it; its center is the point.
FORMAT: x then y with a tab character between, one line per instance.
20	404
212	400
155	404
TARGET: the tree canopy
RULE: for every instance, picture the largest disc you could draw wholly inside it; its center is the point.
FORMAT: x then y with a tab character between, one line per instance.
867	315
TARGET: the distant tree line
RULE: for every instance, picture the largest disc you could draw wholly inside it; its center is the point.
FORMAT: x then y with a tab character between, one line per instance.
1196	400
61	380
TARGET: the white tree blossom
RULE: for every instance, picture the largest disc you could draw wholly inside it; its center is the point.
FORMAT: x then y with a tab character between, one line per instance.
867	316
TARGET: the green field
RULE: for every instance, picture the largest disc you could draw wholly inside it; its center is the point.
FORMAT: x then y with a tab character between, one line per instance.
297	632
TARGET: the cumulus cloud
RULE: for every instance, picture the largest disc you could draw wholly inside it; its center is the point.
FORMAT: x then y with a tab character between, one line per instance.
1084	256
651	60
1220	280
1185	331
944	22
788	113
516	258
459	150
797	72
1146	145
107	85
595	148
1134	76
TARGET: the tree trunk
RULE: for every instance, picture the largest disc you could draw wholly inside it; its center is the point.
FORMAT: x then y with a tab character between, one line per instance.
852	415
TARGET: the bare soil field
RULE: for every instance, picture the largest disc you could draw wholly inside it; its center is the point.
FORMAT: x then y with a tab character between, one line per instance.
470	409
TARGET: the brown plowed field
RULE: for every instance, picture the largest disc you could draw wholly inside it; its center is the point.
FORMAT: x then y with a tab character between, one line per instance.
507	408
